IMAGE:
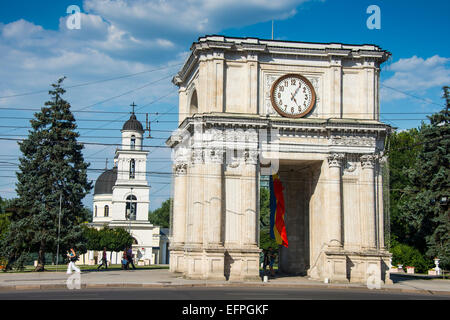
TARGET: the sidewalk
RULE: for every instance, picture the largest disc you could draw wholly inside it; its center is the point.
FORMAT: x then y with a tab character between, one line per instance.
163	278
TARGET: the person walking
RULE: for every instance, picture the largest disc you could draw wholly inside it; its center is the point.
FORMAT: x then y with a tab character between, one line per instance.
271	256
104	260
130	258
72	256
124	260
266	261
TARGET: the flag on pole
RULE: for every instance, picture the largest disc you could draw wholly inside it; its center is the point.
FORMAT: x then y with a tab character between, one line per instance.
277	210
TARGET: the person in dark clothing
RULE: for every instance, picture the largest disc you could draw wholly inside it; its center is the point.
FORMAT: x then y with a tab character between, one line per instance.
104	260
266	261
130	258
271	255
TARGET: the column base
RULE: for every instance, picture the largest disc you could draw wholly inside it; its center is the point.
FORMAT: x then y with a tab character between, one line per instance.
343	266
217	263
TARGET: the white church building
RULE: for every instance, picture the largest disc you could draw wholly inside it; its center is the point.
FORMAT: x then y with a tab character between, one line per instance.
121	199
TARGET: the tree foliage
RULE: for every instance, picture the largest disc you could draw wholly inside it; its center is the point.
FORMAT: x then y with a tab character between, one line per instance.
51	165
161	216
265	241
420	186
427	212
113	239
409	256
404	148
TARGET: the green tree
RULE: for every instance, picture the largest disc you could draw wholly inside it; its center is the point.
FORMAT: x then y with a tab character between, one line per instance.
427	213
161	216
116	239
409	256
4	217
265	241
404	148
52	165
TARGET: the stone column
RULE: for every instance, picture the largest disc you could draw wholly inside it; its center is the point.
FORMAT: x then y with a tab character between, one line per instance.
334	200
368	200
213	190
179	206
250	192
197	197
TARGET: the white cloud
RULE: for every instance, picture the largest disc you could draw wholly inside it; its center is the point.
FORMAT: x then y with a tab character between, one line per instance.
415	76
117	37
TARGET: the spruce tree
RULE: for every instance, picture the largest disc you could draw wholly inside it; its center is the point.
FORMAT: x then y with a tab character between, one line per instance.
51	168
427	211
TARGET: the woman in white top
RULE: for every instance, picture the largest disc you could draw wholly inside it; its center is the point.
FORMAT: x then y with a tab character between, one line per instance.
72	258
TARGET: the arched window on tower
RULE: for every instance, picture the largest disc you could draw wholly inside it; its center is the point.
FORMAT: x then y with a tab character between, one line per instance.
131	208
133	142
95	211
132	169
106	211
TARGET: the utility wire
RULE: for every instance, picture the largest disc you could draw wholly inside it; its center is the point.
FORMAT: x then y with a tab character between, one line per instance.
92	82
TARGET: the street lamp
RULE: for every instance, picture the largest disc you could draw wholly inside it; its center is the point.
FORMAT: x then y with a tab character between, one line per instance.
131	210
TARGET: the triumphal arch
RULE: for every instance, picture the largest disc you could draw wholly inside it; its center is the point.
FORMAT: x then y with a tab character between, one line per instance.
308	112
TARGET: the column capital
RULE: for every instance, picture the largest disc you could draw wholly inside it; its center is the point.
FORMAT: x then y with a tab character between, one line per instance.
180	169
335	160
368	161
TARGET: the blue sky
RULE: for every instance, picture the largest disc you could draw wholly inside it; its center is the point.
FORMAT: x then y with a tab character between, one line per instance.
122	37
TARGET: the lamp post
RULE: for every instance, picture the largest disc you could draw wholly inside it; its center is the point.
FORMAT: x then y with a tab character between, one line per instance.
59	228
131	210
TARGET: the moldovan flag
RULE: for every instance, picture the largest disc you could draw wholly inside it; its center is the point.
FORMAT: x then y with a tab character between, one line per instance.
277	209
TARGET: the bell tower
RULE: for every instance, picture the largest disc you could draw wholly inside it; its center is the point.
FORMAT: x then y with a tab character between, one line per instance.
131	190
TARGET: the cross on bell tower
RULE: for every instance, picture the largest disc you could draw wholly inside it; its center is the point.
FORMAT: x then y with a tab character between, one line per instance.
132	105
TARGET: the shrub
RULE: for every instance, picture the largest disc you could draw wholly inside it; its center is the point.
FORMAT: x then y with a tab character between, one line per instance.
409	256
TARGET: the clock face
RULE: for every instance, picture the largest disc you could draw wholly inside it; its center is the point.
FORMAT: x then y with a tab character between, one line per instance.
292	96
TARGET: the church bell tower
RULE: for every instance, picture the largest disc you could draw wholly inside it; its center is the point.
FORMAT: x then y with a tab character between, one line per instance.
131	190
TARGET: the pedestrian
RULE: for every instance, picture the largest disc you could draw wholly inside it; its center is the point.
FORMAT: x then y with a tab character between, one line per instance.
72	256
124	259
271	256
266	260
104	259
130	258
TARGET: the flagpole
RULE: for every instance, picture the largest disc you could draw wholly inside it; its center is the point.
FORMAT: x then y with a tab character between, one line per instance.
272	29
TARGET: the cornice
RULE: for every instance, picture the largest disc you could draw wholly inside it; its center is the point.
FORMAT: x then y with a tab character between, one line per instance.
274	47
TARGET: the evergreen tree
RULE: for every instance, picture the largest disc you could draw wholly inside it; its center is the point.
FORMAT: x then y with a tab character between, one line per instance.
51	166
427	211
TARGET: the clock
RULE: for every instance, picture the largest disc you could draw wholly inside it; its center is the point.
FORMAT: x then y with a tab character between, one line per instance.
292	96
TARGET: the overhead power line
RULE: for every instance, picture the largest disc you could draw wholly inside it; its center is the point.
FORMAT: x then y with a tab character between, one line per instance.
93	82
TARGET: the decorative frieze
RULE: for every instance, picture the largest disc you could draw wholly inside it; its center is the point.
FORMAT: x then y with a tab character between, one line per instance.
353	139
